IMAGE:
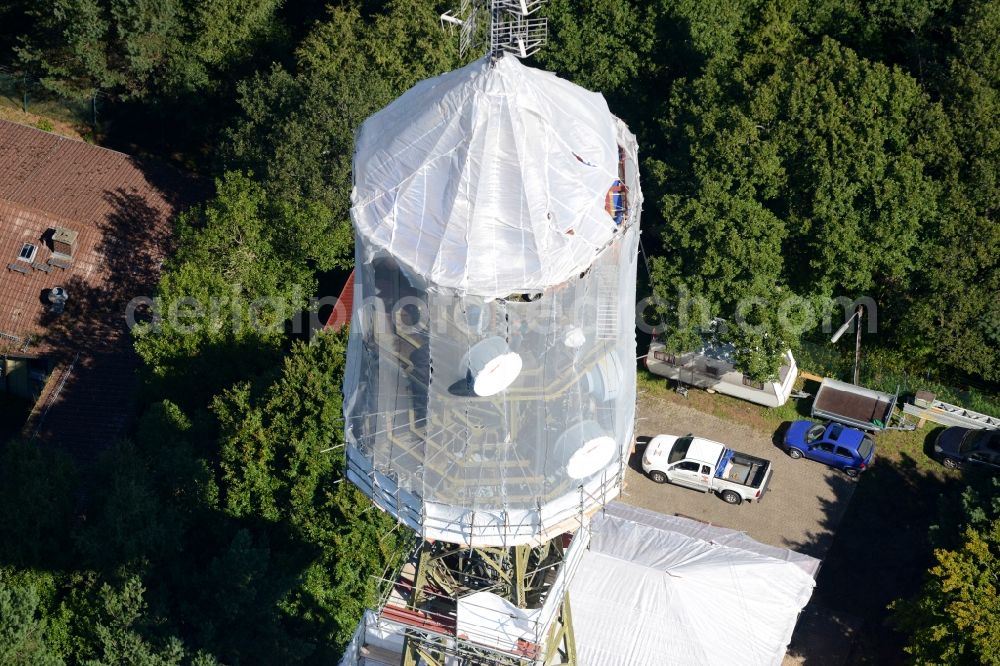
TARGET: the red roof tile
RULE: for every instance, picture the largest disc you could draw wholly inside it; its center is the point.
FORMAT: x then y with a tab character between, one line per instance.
122	220
343	309
121	211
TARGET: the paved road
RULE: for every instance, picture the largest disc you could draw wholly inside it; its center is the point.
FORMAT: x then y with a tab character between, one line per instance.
801	510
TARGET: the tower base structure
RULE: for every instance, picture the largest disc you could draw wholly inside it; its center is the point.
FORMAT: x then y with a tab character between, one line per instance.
452	605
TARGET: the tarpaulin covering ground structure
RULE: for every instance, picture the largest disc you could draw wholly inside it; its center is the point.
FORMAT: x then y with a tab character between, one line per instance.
659	590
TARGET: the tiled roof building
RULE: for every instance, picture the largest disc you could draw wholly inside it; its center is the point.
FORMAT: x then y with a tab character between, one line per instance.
83	230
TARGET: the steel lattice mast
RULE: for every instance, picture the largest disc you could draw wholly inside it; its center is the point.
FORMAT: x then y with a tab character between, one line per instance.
511	27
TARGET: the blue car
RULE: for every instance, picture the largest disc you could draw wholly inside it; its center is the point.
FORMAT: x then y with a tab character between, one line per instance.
833	444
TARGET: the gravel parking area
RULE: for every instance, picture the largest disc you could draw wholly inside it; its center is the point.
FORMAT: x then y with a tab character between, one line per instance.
801	510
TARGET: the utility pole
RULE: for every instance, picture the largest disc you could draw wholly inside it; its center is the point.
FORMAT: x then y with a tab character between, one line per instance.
857	345
857	339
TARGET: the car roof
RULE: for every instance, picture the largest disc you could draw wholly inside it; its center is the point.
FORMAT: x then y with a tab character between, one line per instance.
986	439
704	450
844	435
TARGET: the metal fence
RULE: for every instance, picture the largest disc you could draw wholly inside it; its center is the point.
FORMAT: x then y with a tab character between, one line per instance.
19	90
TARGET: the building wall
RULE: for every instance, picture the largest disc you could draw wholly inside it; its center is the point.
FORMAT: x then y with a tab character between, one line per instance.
24	376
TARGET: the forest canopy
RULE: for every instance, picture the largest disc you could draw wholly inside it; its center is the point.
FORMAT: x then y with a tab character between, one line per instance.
792	151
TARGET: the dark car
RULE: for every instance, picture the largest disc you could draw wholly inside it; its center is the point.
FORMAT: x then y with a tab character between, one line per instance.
836	445
964	447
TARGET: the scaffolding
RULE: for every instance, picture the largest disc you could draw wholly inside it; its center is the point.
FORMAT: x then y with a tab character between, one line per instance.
489	395
490	384
485	606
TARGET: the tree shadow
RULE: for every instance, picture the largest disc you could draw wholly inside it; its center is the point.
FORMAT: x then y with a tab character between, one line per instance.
14	412
92	401
134	239
219	578
192	381
879	550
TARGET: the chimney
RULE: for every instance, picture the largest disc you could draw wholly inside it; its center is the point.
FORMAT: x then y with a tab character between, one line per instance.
64	241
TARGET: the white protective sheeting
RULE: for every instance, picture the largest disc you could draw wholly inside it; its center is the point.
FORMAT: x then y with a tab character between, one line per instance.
489	394
491	620
488	180
650	595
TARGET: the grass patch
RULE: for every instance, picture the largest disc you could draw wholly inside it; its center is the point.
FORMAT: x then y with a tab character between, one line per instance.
16	115
44	111
43	103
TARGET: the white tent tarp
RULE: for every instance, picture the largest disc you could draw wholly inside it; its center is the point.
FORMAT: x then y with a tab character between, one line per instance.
489	394
659	590
489	180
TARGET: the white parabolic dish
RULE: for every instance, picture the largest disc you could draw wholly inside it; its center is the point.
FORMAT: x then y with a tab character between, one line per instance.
593	456
497	374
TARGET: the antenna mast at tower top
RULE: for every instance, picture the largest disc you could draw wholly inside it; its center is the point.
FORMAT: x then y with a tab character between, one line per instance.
511	27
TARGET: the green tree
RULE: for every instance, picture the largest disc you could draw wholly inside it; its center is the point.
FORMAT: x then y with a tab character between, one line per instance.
238	602
759	339
953	310
956	617
118	631
599	45
68	48
225	297
282	459
22	629
128	523
37	494
181	462
298	128
807	172
139	50
938	620
860	143
722	245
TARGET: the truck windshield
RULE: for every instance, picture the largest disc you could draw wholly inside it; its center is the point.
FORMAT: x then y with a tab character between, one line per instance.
679	451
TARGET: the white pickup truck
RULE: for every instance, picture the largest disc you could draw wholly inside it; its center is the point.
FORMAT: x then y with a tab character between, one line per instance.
706	466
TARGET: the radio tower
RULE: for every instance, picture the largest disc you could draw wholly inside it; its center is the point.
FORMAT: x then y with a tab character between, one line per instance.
489	397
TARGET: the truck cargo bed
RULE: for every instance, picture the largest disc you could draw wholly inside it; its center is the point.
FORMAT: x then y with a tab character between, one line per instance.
742	469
